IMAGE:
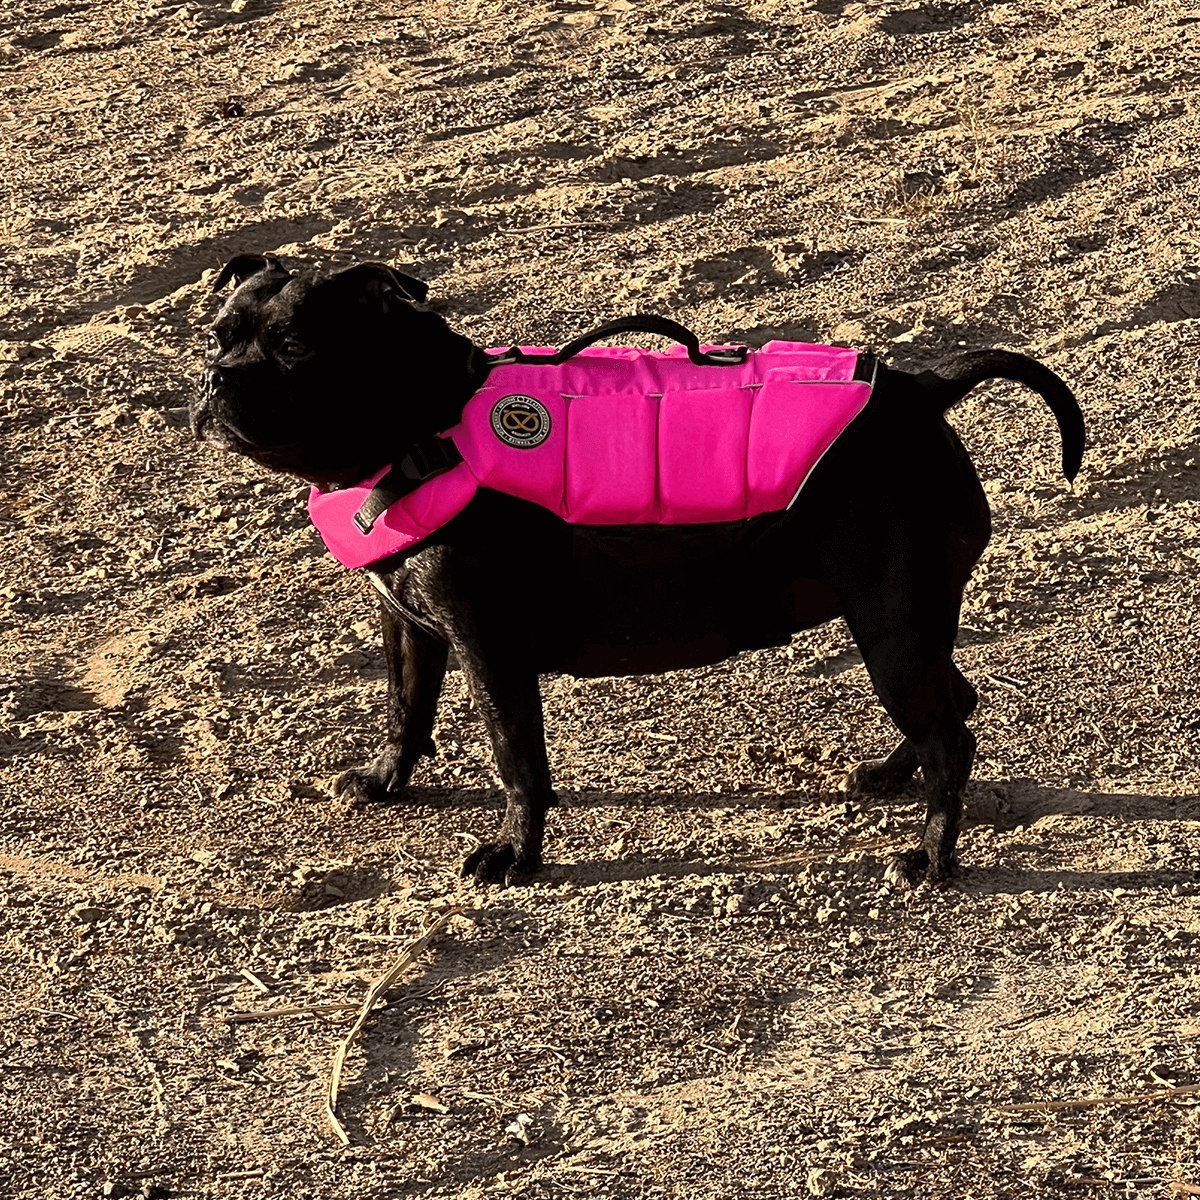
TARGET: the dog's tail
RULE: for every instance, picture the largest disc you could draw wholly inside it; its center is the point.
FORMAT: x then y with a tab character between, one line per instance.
955	378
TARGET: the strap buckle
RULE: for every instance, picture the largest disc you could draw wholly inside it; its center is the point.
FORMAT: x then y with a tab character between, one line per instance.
428	458
422	461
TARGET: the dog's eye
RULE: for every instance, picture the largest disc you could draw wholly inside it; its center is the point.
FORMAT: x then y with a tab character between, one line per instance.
212	345
292	347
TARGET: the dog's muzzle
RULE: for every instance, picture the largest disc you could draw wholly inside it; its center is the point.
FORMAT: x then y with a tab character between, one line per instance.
205	424
200	411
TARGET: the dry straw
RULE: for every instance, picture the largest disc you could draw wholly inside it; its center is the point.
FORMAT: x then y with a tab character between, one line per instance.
1045	1106
378	990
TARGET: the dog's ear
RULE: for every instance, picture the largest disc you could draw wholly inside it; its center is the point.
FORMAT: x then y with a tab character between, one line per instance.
382	284
240	268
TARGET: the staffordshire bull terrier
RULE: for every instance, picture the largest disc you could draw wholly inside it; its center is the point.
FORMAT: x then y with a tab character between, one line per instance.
334	375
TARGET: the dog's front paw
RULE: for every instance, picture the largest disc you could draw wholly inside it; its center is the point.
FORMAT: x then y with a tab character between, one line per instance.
913	867
941	871
383	780
497	863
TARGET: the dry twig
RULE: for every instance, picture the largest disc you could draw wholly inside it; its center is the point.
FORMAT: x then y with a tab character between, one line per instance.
250	977
378	989
290	1010
1012	687
554	225
1096	1101
1053	1010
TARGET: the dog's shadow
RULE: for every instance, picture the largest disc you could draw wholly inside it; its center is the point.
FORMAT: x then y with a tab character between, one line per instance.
1023	802
492	799
1024	805
1009	807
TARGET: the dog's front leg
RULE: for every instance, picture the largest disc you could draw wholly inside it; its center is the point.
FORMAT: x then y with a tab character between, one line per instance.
416	663
507	695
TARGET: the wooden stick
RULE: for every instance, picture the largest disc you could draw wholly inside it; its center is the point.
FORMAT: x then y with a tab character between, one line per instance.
1052	1011
295	1010
1094	1101
1012	687
378	989
53	1012
555	225
497	1101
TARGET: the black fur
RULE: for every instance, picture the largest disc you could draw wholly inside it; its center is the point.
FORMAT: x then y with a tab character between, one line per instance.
332	376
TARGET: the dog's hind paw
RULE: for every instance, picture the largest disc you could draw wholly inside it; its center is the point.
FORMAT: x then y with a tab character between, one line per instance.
879	777
497	863
907	869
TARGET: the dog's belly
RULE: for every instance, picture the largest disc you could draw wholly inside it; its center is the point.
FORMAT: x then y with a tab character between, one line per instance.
667	648
617	600
645	599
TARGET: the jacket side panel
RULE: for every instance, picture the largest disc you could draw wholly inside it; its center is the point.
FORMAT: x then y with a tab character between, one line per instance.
610	464
702	439
529	472
792	426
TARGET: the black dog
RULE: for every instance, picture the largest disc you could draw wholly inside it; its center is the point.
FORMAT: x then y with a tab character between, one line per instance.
332	376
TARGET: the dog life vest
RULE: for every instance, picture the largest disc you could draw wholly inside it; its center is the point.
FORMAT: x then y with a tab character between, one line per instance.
614	435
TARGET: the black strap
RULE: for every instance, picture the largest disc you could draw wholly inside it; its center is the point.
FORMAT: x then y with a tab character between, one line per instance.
423	460
399	607
647	323
866	368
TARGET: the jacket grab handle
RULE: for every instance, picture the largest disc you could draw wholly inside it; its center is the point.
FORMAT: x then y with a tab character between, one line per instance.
643	323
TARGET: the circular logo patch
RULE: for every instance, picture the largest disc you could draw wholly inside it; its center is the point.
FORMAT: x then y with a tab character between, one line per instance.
520	421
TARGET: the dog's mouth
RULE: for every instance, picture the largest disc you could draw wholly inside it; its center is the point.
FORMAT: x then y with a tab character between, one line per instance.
210	429
324	461
214	430
210	424
292	457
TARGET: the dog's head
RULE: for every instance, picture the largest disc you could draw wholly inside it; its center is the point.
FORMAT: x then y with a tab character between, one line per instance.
326	374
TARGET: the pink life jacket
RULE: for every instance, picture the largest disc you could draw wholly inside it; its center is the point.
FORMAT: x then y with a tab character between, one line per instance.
619	436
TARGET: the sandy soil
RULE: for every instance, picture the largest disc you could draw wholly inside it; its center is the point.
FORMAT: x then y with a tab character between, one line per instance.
711	992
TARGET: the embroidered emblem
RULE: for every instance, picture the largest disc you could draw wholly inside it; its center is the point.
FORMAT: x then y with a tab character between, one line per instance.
520	421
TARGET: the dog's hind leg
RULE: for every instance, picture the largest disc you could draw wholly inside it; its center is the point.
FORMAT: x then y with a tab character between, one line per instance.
882	776
887	776
907	650
416	662
508	697
946	757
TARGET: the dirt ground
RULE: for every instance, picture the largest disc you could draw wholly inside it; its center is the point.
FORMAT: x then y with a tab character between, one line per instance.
710	992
